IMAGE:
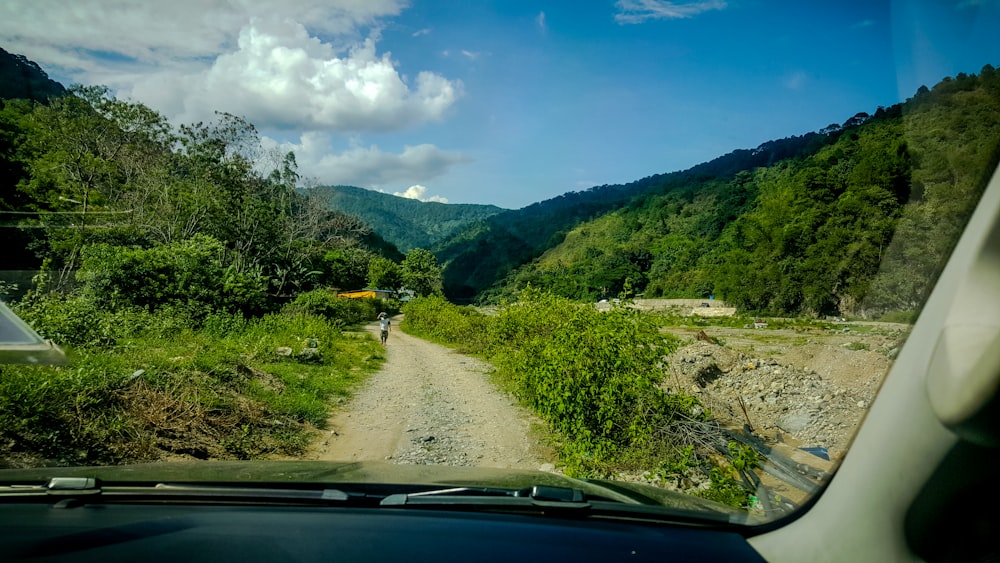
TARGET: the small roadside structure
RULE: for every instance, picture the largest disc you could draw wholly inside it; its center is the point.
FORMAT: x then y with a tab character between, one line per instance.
367	293
759	323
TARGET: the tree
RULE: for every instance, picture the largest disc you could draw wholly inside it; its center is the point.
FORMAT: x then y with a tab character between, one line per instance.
345	267
384	274
421	273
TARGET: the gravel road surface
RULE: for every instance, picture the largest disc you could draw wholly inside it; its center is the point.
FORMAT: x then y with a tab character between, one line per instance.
431	405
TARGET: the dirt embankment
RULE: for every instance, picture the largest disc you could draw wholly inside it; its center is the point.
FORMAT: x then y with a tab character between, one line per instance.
431	405
805	387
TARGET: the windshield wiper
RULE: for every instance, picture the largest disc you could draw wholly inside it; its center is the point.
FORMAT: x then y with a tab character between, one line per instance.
71	492
549	501
538	499
539	495
78	490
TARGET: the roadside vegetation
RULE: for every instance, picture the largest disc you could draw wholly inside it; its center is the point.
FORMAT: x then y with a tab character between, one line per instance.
187	272
176	382
593	376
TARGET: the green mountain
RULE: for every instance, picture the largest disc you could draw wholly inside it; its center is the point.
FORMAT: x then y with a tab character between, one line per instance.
406	223
22	78
516	237
858	222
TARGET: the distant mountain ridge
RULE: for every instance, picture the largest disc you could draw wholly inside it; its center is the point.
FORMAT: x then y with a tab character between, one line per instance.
23	78
406	223
516	237
855	220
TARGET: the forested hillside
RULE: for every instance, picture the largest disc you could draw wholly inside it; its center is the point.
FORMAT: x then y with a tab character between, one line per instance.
406	223
515	237
856	222
797	225
109	194
22	78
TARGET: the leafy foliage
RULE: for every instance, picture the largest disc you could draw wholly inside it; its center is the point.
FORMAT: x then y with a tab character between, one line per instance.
191	271
434	318
140	386
98	171
384	274
420	273
338	310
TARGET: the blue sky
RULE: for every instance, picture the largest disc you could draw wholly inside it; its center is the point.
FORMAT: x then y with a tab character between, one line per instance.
507	102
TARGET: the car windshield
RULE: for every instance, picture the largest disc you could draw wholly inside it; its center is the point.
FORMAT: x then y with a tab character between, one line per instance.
658	252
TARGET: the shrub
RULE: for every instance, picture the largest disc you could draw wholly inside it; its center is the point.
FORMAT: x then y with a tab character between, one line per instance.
191	271
593	375
70	320
436	319
325	303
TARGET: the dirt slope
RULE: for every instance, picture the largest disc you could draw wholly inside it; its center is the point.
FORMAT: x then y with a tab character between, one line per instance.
807	386
430	405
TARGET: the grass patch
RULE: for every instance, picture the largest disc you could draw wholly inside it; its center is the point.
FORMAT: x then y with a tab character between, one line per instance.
229	388
904	317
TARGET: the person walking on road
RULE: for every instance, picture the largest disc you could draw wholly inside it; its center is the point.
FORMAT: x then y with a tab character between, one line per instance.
384	326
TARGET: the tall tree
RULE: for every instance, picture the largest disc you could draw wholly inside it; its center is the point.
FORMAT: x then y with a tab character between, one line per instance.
384	274
421	273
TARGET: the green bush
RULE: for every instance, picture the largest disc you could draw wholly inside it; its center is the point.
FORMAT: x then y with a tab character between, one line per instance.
592	374
192	272
325	303
436	319
70	320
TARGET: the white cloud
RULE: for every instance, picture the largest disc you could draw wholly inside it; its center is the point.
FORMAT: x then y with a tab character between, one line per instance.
281	77
419	192
187	59
639	11
540	20
158	32
368	166
419	32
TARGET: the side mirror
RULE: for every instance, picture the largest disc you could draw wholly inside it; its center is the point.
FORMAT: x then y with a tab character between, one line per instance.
19	344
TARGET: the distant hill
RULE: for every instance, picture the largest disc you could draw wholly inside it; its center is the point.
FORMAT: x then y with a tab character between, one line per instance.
406	223
858	222
22	78
515	237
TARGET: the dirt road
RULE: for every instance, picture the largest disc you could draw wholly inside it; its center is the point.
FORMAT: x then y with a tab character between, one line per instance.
430	405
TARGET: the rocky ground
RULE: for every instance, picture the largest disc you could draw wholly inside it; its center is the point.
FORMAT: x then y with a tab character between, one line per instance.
806	386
